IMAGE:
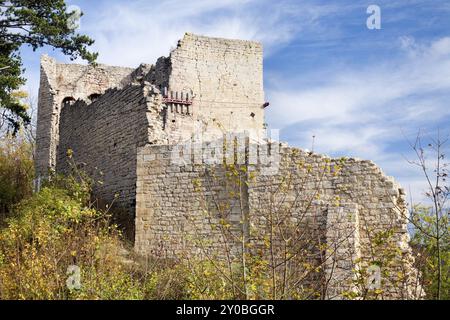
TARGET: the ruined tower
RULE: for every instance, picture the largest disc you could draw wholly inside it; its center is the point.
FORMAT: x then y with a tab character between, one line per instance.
135	131
63	84
223	79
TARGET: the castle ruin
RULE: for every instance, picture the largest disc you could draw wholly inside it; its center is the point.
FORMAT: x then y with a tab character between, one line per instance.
137	130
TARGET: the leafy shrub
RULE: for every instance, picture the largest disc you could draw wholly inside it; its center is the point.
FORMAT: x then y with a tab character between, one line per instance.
51	231
424	243
16	172
57	228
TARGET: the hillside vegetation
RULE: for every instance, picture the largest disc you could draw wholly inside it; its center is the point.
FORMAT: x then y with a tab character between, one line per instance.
55	244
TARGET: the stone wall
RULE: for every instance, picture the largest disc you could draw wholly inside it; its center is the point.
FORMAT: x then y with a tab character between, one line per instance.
226	78
335	206
60	81
352	200
104	136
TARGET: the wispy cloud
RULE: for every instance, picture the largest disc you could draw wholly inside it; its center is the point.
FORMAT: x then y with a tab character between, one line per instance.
370	111
141	31
354	95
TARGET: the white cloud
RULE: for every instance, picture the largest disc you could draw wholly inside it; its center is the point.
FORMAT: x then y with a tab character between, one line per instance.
142	31
138	31
366	112
355	95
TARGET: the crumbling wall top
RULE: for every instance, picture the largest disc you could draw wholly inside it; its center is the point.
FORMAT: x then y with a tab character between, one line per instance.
80	81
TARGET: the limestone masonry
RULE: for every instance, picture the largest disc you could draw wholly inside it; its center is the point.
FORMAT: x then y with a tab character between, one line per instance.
163	139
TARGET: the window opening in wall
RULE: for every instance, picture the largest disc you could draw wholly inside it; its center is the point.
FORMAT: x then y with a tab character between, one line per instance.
68	101
94	97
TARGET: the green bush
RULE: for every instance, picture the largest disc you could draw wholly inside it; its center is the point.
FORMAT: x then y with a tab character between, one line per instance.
51	231
424	243
57	228
16	173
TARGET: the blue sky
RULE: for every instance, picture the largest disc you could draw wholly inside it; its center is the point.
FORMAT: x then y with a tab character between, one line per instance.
360	92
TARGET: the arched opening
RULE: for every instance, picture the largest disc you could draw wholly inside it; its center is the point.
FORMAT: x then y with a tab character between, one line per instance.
94	97
68	101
